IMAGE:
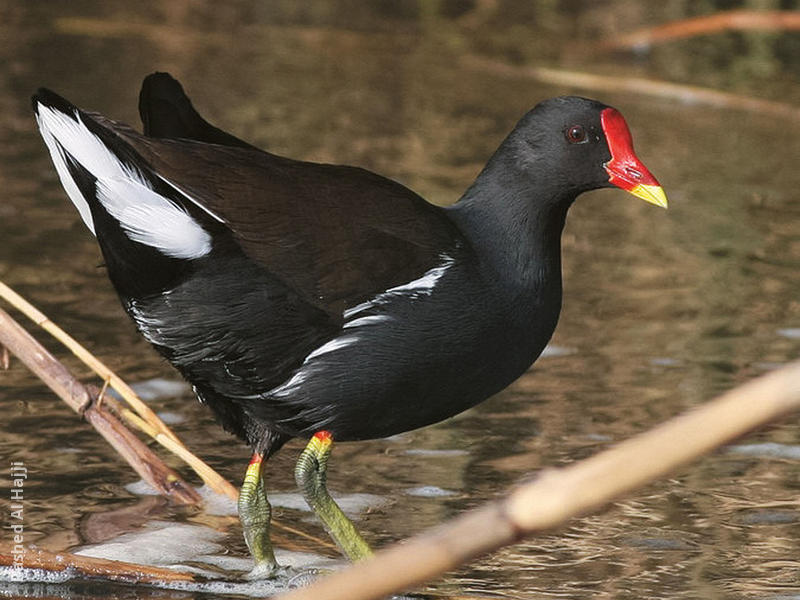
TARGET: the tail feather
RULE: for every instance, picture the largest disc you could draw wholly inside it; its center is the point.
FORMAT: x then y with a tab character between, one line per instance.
43	101
125	188
167	112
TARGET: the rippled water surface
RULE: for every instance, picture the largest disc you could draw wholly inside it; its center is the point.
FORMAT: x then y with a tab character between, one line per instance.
662	310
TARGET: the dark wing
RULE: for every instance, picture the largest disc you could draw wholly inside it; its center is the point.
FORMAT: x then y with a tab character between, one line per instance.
336	235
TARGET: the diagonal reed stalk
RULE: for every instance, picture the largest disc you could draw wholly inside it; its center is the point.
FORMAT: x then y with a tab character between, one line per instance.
136	414
141	416
84	400
558	495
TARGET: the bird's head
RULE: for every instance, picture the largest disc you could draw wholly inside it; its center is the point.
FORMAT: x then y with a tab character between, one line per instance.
577	144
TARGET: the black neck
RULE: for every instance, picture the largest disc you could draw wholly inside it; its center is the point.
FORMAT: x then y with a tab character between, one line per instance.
517	223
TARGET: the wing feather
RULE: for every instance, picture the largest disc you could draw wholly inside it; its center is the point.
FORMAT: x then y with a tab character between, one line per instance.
336	235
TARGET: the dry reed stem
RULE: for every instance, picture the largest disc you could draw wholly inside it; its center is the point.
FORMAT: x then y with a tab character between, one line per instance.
687	94
732	20
91	361
109	570
123	572
79	398
558	495
145	419
213	479
82	400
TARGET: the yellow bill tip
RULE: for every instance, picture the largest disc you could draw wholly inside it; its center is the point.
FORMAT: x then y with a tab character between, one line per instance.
653	194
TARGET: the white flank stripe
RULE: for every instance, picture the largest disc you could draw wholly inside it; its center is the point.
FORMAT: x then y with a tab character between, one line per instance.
356	309
427	282
334	344
287	388
307	368
145	216
421	285
368	320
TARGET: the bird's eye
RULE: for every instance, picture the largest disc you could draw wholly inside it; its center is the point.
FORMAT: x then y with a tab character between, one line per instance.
576	134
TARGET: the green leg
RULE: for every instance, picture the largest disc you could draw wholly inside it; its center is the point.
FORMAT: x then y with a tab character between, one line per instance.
255	513
311	476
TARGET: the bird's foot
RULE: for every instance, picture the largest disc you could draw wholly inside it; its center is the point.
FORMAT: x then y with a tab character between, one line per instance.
268	570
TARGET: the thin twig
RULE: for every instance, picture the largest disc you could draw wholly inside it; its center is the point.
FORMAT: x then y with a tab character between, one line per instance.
121	572
82	400
90	360
558	495
79	398
687	94
732	20
148	421
108	570
213	479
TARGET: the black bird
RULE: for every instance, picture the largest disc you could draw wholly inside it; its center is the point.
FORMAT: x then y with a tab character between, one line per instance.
325	301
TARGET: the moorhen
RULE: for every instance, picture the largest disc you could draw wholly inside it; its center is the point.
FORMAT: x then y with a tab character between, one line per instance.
325	301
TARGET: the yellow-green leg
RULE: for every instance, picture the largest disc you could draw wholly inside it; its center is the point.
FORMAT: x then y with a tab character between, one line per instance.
255	513
311	476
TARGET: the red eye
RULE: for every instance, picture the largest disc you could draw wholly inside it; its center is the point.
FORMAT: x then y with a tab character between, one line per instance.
576	134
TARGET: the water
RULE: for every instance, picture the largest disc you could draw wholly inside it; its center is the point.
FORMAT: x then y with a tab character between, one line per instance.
662	311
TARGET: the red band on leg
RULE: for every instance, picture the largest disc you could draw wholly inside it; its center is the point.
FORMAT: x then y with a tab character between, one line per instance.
324	436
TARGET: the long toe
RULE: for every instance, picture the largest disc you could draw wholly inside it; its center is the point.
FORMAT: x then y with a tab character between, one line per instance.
268	570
